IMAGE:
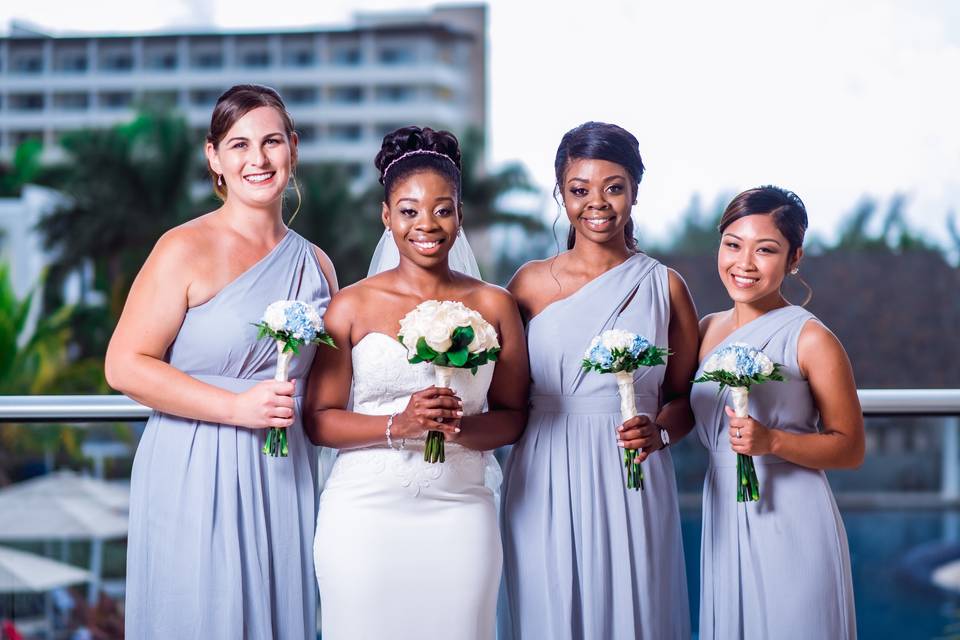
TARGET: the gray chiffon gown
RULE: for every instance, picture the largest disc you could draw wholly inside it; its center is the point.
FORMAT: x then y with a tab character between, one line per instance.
221	536
584	557
780	567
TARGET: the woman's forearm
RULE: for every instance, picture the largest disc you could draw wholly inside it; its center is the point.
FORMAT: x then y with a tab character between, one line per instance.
826	450
677	418
163	387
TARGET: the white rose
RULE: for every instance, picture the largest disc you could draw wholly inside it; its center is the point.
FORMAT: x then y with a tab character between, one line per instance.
275	316
765	364
457	314
437	335
728	361
616	339
484	335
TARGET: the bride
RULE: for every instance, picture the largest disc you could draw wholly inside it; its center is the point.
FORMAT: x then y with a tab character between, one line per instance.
405	548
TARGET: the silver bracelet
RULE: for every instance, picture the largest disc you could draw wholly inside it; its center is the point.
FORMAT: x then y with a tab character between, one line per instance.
403	441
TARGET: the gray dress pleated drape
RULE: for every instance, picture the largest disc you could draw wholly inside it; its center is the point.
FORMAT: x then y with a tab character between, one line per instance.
584	557
221	536
777	568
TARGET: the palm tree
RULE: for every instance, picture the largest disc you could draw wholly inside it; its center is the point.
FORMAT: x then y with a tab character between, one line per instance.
125	187
24	168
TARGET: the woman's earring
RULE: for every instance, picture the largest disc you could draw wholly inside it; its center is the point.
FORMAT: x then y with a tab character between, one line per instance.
459	231
794	271
219	179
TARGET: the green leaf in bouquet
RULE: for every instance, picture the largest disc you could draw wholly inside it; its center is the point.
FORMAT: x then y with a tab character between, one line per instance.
424	352
325	338
458	358
441	360
461	338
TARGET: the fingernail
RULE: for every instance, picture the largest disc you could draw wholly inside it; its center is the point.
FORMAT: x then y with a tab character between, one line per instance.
619	428
619	443
456	430
459	414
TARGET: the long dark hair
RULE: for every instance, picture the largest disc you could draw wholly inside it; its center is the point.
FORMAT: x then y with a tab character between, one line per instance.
600	141
785	208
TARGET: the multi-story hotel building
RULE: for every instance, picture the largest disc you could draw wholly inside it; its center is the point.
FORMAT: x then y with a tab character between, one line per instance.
345	86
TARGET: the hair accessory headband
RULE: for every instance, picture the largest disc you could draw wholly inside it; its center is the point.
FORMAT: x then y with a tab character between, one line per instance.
420	152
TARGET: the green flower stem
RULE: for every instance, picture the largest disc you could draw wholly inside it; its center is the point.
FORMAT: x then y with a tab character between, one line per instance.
433	449
748	486
634	470
276	443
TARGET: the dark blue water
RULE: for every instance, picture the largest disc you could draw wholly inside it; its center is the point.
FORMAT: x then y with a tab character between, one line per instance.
889	603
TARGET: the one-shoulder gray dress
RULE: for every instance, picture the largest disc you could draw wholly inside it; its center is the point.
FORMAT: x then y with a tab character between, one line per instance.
777	568
584	557
221	536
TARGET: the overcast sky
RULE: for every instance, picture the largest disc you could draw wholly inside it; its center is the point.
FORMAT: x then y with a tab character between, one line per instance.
835	100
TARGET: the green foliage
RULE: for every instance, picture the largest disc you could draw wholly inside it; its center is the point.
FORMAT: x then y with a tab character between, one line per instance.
458	356
24	168
343	222
625	361
125	186
727	379
291	343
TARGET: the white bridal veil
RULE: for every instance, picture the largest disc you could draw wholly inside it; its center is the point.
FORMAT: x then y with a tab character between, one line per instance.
387	256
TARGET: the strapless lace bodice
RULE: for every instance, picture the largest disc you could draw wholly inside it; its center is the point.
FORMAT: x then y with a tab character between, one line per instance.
383	380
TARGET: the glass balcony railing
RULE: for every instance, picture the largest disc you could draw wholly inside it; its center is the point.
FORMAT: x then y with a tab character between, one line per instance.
901	508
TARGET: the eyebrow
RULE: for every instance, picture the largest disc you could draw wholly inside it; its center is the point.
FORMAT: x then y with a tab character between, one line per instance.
416	201
773	240
244	139
607	179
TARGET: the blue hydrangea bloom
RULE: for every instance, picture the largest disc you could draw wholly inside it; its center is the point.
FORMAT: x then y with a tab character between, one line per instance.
600	355
640	344
298	324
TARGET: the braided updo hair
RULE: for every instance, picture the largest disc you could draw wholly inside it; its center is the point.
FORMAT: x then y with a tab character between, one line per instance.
439	152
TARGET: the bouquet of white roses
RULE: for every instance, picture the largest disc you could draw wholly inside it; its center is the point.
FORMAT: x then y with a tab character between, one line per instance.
291	323
451	336
738	366
621	353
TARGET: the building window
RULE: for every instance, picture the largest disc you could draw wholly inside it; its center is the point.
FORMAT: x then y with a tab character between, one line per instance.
26	102
73	101
160	60
307	134
396	93
346	95
207	60
27	63
299	95
255	59
161	99
443	94
116	99
346	132
346	56
119	61
71	62
204	97
298	58
387	128
397	56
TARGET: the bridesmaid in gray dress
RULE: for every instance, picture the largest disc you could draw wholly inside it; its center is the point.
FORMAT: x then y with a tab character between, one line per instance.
584	557
779	567
220	535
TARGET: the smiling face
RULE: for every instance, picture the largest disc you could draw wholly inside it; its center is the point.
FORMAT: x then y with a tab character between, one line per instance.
598	196
255	157
754	258
424	216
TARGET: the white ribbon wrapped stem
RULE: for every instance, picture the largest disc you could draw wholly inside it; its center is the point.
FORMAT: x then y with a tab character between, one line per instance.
739	397
283	362
628	400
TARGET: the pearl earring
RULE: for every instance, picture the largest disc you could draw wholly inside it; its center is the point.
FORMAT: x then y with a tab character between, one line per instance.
794	271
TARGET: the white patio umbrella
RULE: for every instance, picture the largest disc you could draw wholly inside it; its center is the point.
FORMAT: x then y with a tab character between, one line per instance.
33	513
21	571
69	484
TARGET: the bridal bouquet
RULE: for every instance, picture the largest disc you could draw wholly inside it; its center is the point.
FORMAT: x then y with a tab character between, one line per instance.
291	323
621	353
450	336
738	366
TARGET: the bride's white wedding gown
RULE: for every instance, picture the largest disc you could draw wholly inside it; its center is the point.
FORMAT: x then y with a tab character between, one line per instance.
407	549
